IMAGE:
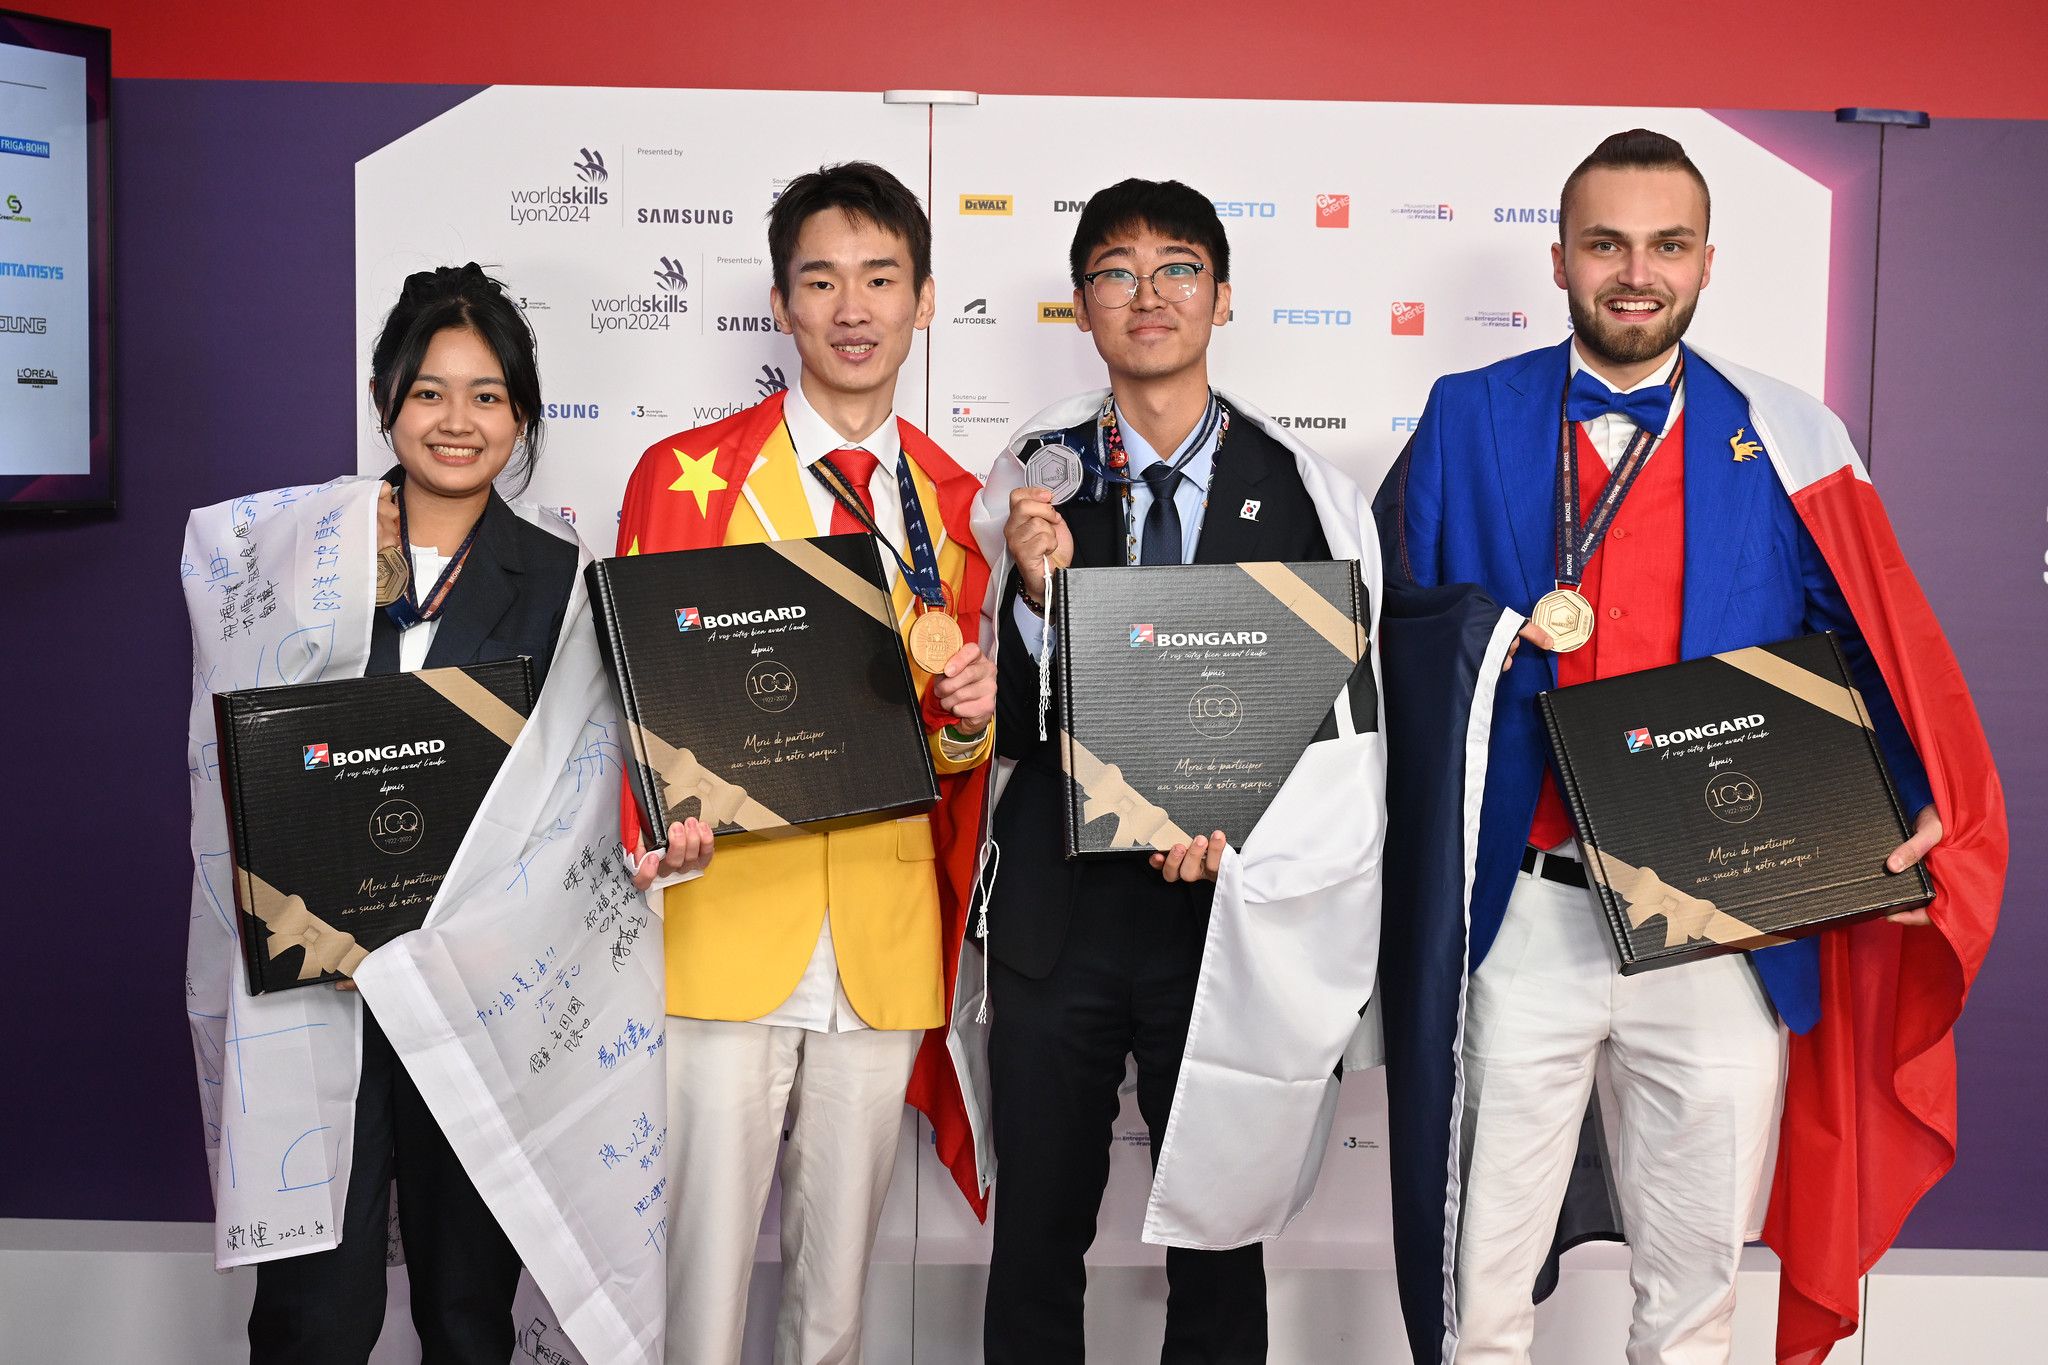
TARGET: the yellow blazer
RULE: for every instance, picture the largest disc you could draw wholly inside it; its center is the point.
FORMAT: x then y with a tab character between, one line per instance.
738	938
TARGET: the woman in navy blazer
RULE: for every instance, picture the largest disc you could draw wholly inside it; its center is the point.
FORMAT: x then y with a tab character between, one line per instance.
457	394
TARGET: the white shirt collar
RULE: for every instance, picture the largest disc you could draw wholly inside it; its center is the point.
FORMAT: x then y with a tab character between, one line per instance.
1662	375
814	438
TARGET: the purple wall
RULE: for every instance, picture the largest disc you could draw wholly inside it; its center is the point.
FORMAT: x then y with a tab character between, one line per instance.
1958	436
234	251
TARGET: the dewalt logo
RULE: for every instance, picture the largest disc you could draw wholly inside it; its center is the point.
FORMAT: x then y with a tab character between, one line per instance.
988	205
1056	312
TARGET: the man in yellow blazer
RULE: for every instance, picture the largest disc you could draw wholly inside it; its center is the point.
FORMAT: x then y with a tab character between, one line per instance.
809	975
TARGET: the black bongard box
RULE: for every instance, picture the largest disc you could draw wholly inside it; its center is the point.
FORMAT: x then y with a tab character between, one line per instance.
763	686
1730	802
346	802
1189	692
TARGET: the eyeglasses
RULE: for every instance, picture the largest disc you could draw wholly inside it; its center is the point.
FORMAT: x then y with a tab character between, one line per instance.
1173	282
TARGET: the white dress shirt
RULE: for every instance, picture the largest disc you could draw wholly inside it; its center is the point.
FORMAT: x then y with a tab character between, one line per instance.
1610	432
415	640
819	1001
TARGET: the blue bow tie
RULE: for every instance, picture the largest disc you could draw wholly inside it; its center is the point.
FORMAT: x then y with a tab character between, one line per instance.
1588	398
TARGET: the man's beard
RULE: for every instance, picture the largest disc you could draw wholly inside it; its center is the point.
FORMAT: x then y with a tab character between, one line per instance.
1620	343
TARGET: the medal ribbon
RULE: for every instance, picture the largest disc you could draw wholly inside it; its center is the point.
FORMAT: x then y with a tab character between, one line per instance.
921	570
1115	461
1576	543
410	609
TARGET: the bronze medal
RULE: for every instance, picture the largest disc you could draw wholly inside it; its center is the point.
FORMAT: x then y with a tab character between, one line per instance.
1566	617
393	570
934	639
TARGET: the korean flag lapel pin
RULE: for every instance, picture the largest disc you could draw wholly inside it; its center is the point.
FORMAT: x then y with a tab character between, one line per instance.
1250	510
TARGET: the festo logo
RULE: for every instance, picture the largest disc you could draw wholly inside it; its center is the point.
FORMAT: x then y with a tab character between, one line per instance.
1142	635
988	205
1642	741
319	756
1245	208
689	618
1312	317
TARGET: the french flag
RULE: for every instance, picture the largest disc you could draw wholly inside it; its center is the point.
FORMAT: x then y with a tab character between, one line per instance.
1870	1092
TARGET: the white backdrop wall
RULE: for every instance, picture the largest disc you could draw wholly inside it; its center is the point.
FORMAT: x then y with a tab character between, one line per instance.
1374	248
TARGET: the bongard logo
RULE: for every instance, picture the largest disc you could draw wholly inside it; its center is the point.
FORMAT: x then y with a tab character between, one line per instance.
1146	634
988	205
1642	741
689	618
320	756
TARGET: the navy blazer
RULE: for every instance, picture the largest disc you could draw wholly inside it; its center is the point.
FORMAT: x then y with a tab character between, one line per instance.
1476	487
1032	901
510	600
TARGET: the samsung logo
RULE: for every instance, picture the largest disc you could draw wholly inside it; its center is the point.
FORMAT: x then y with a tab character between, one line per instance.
746	324
668	216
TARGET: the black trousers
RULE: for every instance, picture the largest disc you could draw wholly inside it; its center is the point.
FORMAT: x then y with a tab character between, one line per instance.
1124	984
327	1308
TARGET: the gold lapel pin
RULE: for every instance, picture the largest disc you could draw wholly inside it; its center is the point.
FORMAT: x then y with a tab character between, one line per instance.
1744	450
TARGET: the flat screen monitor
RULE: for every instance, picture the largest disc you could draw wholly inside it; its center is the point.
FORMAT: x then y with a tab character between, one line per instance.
56	285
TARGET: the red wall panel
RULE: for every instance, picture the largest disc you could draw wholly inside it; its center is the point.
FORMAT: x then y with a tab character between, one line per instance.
1971	59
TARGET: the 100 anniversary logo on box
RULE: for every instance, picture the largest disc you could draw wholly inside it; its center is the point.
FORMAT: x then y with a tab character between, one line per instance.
347	801
762	686
1730	801
1190	691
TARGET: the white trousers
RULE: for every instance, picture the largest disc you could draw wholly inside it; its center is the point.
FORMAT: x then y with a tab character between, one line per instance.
729	1088
1694	1060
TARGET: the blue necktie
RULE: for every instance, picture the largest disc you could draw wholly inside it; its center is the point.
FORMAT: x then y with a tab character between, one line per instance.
1161	544
1588	398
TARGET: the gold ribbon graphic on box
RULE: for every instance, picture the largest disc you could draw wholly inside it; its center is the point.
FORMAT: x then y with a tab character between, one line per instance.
292	925
1345	635
1686	918
1829	695
719	802
474	700
836	576
1139	823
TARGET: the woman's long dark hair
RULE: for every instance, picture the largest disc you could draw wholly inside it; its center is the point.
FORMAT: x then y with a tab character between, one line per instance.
460	296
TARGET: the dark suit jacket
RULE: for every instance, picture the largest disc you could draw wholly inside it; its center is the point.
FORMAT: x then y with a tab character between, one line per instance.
1036	887
509	601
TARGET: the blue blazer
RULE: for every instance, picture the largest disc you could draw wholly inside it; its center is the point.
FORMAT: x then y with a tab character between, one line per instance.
1474	492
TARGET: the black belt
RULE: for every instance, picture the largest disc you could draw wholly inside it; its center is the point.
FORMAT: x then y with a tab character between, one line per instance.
1553	867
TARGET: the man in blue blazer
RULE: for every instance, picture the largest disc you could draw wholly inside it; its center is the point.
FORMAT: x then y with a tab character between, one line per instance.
1704	552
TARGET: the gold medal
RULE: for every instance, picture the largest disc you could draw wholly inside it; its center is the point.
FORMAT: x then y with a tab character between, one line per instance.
934	639
1566	617
392	572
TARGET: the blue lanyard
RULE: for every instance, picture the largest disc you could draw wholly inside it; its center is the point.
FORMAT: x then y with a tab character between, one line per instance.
921	570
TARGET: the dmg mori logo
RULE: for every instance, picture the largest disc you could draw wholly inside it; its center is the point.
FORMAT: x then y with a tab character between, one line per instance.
988	205
397	826
1733	798
1215	711
771	686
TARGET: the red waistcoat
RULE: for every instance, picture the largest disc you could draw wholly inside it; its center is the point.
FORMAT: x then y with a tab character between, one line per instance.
1636	583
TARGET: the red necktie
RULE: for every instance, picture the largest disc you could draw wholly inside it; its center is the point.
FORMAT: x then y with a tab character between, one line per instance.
859	468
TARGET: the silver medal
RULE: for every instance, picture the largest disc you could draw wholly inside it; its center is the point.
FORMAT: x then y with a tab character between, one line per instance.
1055	468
